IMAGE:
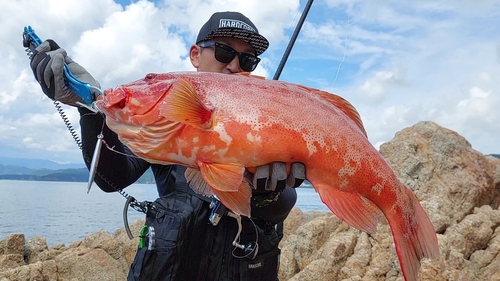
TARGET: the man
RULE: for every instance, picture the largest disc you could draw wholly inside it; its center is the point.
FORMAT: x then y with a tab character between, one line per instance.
228	43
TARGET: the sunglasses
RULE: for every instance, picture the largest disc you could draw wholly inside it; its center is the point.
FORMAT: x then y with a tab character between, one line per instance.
226	54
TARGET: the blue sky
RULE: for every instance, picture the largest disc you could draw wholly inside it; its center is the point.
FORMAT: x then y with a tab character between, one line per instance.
398	62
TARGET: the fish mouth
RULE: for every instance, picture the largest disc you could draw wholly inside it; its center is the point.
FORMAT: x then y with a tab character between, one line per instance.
114	98
153	106
120	104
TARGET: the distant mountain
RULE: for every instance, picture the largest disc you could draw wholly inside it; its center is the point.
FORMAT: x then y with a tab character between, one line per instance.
46	170
70	175
38	163
495	155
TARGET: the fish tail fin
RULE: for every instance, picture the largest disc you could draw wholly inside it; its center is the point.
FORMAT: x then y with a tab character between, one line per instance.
414	238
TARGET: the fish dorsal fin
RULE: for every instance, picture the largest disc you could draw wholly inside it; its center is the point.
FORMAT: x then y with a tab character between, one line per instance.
244	74
249	74
182	104
354	209
346	107
225	181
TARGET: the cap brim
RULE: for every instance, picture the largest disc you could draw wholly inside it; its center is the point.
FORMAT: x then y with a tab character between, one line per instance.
257	41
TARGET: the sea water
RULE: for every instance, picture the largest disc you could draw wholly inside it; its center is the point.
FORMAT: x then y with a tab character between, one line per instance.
63	212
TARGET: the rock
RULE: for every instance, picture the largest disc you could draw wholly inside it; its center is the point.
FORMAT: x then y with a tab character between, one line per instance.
89	264
46	271
12	244
35	249
9	261
442	169
99	256
457	186
12	252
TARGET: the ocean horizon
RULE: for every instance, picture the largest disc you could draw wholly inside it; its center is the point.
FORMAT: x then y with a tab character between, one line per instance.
63	212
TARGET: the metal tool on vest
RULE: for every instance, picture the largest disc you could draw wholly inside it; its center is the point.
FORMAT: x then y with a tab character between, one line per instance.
218	211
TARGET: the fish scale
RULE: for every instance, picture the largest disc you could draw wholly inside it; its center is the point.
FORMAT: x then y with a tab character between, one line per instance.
218	125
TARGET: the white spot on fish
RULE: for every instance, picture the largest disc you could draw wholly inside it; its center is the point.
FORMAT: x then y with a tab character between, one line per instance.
222	152
179	158
254	138
352	163
378	188
196	139
311	147
219	128
208	148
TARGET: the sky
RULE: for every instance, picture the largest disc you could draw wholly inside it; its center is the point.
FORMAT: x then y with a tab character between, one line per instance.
398	62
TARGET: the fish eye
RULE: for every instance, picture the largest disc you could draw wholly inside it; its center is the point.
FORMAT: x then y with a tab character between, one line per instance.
150	76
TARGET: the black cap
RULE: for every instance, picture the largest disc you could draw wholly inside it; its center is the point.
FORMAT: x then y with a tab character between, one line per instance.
235	25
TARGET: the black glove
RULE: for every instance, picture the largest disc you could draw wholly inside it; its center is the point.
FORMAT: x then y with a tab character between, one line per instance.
270	180
47	64
273	177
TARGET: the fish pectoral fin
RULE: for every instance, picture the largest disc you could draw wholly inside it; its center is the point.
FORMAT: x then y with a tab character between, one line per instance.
354	209
228	184
223	177
239	201
182	104
197	183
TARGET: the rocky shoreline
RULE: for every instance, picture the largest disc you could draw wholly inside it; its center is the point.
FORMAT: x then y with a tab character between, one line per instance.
457	186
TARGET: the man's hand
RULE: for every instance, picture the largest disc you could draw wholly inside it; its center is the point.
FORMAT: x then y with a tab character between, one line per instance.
270	180
273	176
47	64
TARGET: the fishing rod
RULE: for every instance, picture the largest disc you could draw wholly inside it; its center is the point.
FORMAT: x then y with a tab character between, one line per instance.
291	43
292	40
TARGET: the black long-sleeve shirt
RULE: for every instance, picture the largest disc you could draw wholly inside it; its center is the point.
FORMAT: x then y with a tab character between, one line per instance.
116	171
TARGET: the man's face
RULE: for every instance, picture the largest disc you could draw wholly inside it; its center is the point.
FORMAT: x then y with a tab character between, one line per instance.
203	59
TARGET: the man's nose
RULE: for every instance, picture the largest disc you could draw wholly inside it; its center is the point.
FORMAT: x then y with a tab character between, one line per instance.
234	65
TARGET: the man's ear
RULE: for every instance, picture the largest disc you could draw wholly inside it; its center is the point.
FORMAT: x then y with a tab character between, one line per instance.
194	55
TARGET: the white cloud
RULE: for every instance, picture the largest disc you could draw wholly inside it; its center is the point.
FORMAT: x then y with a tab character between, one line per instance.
131	43
399	62
380	85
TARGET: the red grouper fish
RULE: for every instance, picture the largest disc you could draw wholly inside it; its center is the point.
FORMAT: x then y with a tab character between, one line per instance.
218	124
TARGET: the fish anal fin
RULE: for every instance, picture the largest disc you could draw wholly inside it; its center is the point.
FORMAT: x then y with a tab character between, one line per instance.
197	183
239	201
182	104
354	209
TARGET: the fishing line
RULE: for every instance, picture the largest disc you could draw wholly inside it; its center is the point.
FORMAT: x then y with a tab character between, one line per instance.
343	57
112	148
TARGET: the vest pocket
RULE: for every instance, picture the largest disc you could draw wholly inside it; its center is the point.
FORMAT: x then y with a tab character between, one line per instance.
263	267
